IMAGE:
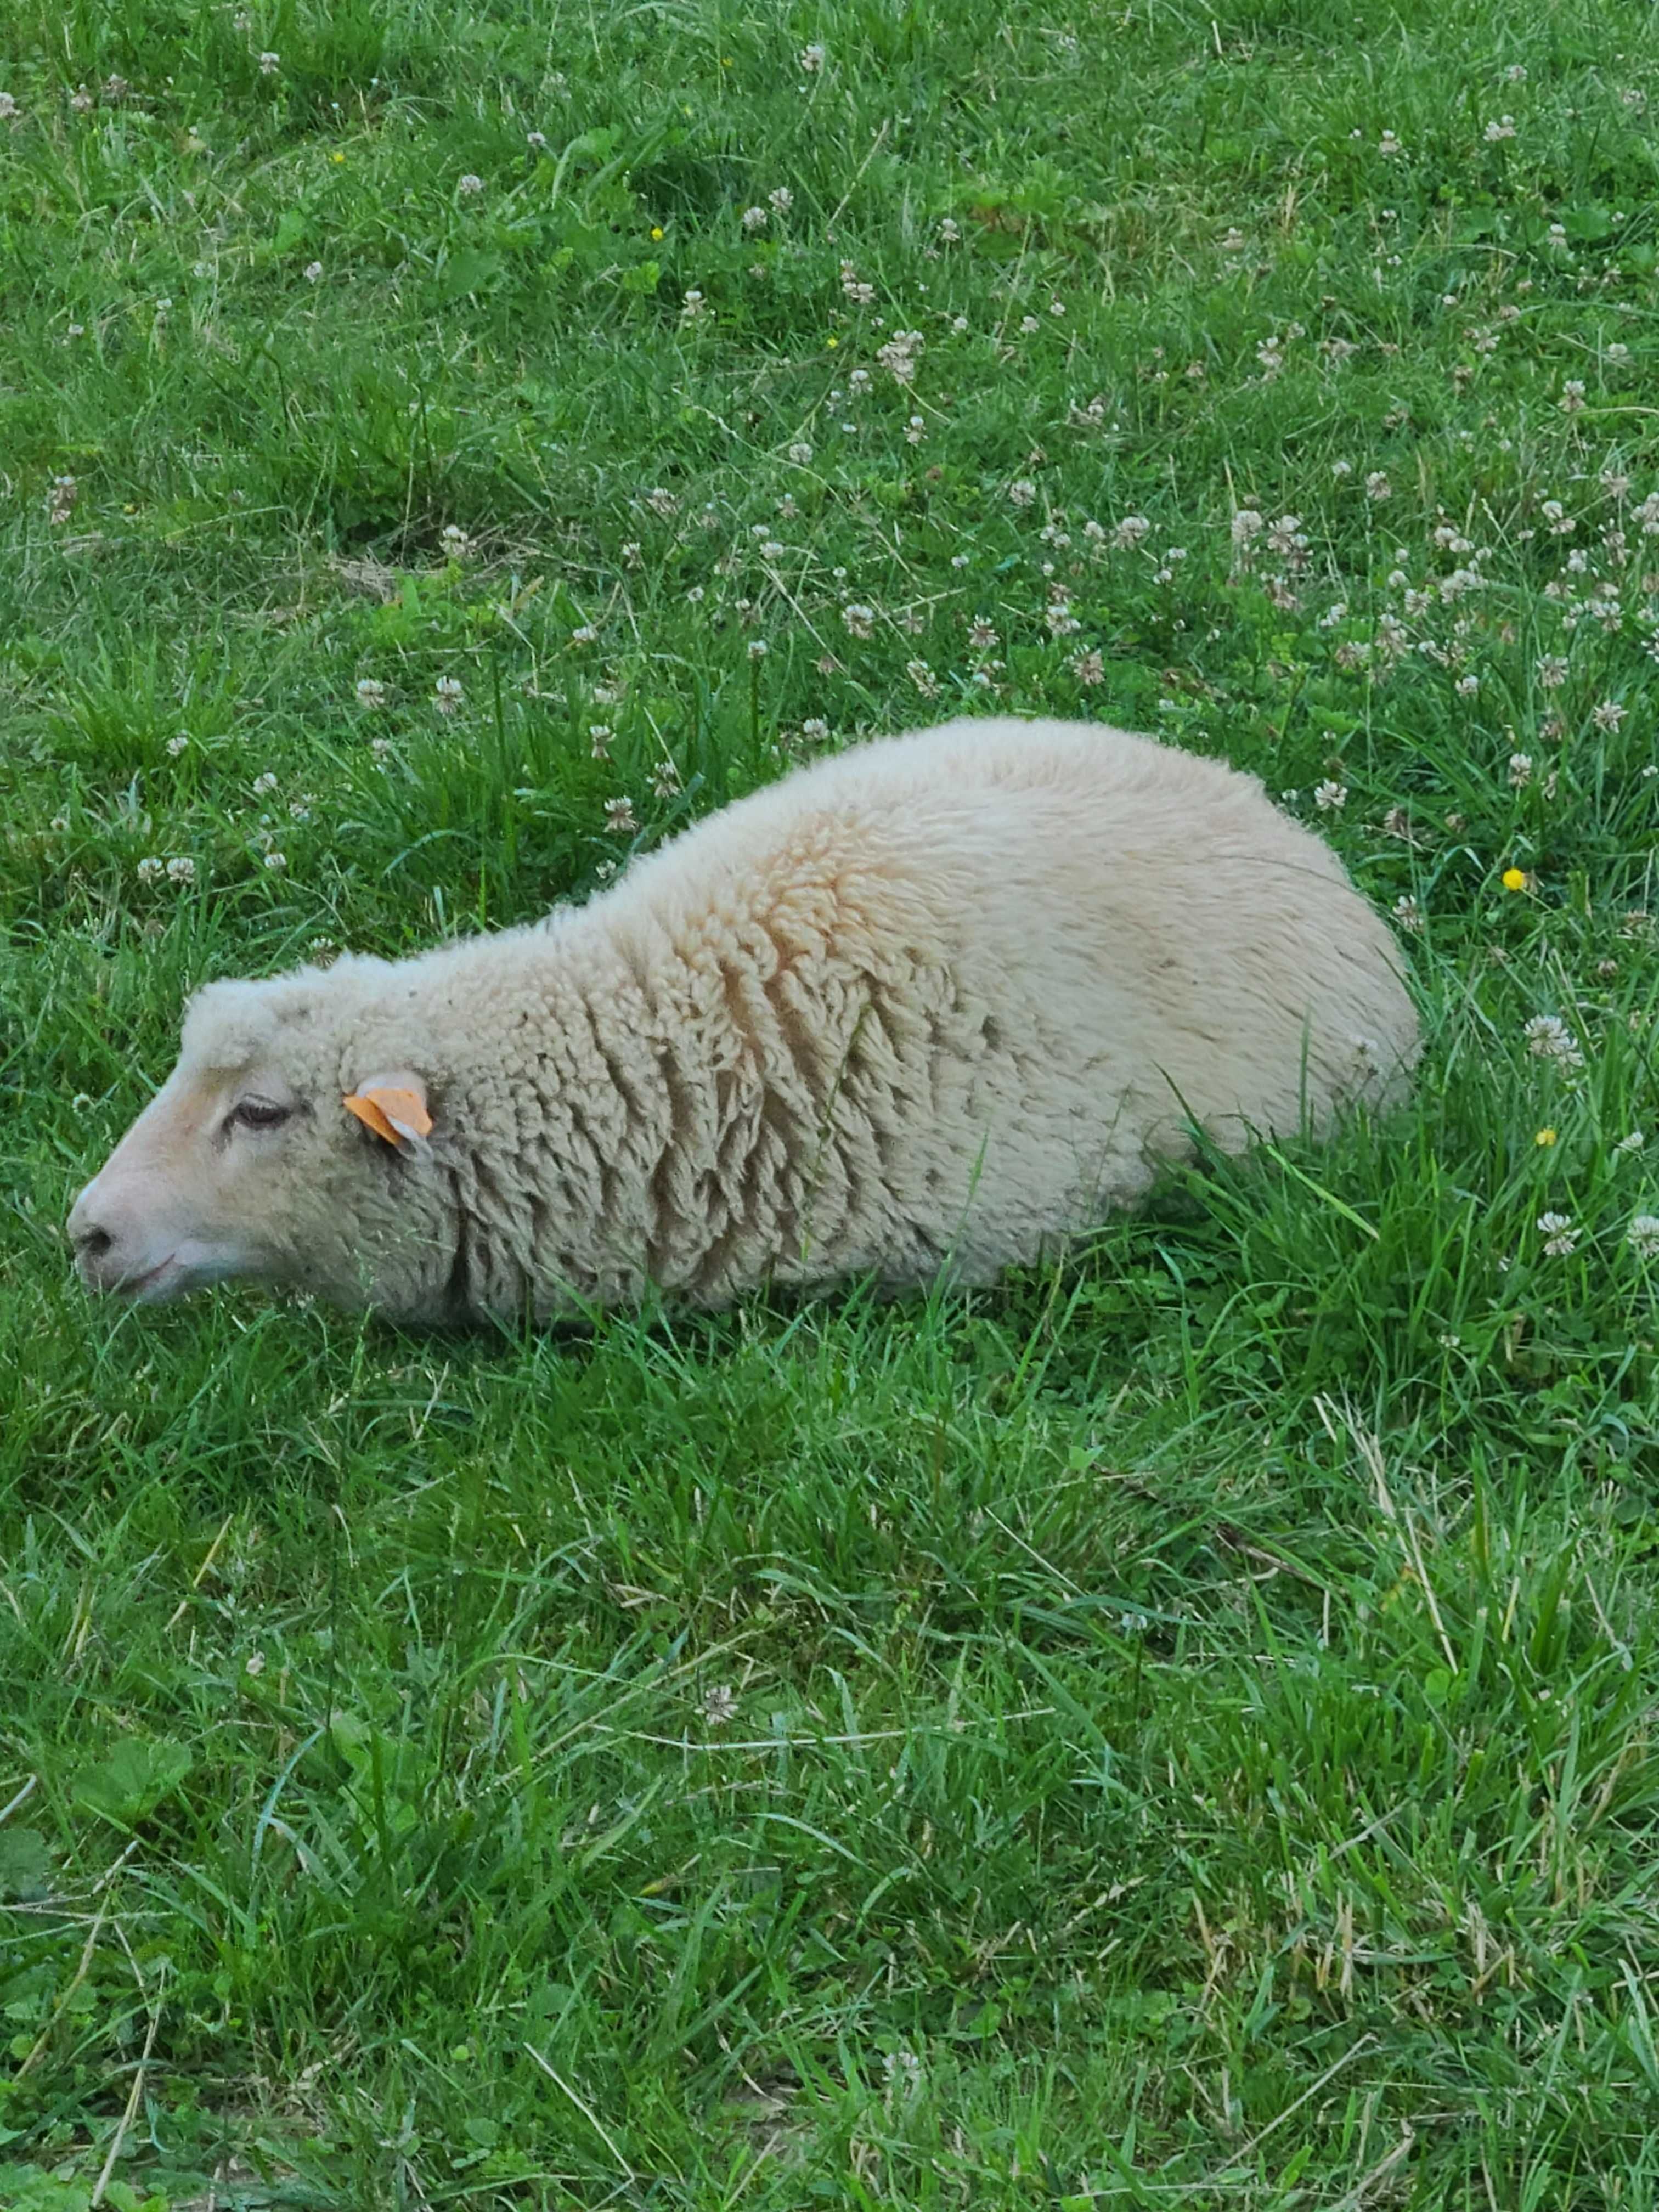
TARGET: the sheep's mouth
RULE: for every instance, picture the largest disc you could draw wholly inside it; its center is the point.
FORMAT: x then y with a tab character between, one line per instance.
168	1279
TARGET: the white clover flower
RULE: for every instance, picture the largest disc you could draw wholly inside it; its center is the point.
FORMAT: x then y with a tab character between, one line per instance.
903	2072
860	621
150	869
1330	797
781	200
469	184
276	863
810	59
619	817
371	692
1377	486
1643	1236
181	871
1560	1238
754	218
1549	1038
269	63
600	735
898	355
447	694
815	730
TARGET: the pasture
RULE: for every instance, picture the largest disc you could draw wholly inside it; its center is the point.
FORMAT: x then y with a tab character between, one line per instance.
1176	1730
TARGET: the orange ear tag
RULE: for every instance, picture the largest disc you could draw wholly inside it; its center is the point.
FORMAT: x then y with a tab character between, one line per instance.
399	1116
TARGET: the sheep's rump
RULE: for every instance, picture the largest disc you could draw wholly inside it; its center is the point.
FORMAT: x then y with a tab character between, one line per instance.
947	997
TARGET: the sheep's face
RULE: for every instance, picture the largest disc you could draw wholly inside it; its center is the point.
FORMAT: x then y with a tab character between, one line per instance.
267	1157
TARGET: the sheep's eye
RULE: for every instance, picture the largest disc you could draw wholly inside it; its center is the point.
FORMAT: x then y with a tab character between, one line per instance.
260	1114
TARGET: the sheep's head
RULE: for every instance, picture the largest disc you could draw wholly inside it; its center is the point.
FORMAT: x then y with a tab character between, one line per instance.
275	1152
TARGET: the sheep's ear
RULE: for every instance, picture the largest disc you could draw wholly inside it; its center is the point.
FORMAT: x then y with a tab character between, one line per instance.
394	1106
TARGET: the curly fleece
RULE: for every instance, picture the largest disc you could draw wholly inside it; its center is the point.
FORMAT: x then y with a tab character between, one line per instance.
935	1002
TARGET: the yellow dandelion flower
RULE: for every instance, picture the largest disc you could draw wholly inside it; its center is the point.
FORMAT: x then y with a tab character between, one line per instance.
1545	1137
832	342
1514	879
656	230
337	157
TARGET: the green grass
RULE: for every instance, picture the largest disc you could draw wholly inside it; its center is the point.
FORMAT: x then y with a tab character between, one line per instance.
1176	1731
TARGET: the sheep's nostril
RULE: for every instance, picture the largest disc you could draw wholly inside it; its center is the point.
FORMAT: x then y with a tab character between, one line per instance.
93	1243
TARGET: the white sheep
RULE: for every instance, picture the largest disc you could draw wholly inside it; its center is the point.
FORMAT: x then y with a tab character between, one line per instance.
932	1004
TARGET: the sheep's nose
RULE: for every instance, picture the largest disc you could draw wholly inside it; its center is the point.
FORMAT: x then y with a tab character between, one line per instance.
93	1243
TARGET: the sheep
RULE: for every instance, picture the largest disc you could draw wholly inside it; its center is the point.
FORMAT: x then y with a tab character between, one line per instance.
927	1007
